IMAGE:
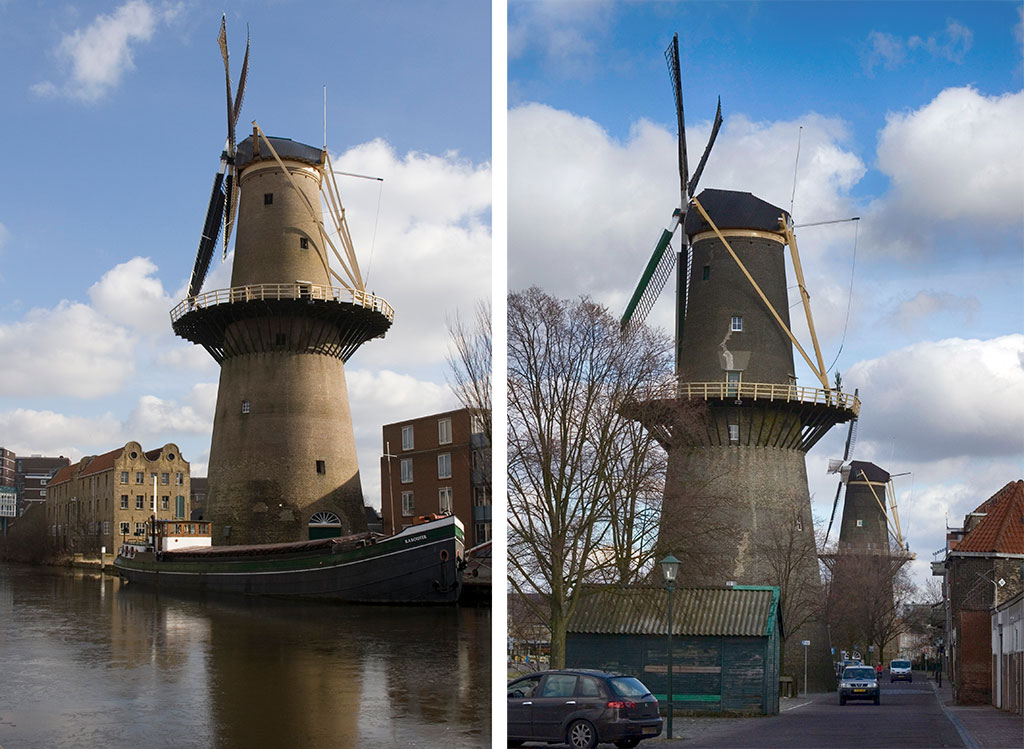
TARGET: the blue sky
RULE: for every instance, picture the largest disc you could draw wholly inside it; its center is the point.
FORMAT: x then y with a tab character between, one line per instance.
114	120
911	117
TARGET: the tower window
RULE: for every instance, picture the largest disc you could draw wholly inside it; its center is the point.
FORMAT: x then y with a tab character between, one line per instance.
321	467
245	407
268	198
707	273
732	380
737	323
303	243
860	523
734	434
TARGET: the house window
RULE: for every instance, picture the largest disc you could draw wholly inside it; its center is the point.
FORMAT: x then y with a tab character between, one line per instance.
124	501
444	499
140	502
179	478
268	198
444	466
106	527
444	431
245	407
407	441
732	381
483	532
140	529
321	467
140	477
125	528
124	477
165	478
737	324
303	243
480	496
165	503
42	492
407	504
179	506
734	434
406	470
707	273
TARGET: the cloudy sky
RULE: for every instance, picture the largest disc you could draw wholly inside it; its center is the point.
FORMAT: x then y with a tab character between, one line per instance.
114	120
911	117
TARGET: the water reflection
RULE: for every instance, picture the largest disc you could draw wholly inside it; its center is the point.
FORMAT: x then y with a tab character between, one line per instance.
88	662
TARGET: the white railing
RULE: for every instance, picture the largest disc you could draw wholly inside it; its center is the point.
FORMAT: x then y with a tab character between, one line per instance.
768	392
279	291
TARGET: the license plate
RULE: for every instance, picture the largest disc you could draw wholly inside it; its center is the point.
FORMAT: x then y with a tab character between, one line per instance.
650	729
859	690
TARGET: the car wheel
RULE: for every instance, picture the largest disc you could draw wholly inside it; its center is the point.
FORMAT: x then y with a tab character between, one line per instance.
891	681
842	700
581	735
627	743
878	700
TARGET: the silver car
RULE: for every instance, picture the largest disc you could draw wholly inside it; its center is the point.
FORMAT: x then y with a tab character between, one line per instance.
859	683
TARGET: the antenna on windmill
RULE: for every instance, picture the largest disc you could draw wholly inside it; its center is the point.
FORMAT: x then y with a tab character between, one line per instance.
325	116
663	260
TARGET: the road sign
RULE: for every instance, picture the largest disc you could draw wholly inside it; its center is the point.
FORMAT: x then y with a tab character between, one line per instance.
805	643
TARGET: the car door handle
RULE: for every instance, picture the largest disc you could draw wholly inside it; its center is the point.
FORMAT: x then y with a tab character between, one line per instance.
527	703
571	702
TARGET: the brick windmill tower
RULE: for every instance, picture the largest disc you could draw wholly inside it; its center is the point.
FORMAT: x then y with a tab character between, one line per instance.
734	355
282	457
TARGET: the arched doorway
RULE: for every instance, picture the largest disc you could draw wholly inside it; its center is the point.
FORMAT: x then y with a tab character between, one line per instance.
324	525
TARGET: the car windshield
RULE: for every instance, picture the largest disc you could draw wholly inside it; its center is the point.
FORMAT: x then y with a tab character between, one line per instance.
860	672
901	664
627	686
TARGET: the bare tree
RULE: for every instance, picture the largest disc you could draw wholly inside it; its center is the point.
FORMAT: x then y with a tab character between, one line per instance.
470	363
578	465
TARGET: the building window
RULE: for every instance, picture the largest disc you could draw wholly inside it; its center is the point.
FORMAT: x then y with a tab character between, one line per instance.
303	243
860	523
42	492
483	533
179	478
734	433
732	381
140	477
165	502
476	424
245	407
179	506
140	529
124	477
126	528
165	478
407	441
707	273
480	496
42	482
407	504
444	431
140	502
799	523
406	470
106	527
321	467
268	198
444	466
124	501
737	324
444	499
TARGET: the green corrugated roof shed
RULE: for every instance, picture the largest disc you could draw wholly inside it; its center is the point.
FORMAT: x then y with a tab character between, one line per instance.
740	611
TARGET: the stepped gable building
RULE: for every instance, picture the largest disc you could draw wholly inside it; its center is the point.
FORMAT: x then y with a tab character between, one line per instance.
982	572
437	464
103	500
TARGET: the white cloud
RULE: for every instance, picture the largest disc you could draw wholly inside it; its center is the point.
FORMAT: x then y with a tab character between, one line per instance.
564	37
944	399
154	416
68	350
926	304
883	49
30	432
129	294
100	54
952	44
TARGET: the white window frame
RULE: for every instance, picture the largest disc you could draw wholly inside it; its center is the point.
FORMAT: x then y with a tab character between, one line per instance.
140	528
246	407
444	431
444	499
737	324
733	380
734	433
408	432
140	501
408	504
405	465
125	528
444	466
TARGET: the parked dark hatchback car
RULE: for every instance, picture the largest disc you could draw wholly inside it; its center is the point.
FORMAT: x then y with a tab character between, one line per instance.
582	708
859	683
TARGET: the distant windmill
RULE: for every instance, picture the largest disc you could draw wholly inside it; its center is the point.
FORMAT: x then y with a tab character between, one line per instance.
282	461
663	260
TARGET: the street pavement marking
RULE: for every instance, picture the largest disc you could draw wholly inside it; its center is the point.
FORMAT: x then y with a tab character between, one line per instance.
796	706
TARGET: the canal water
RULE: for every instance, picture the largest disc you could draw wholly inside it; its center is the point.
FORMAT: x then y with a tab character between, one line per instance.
86	661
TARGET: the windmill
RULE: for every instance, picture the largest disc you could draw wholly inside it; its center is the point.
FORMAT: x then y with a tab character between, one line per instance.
663	260
837	466
282	463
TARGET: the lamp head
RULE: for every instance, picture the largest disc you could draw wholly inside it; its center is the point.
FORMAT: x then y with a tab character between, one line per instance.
670	569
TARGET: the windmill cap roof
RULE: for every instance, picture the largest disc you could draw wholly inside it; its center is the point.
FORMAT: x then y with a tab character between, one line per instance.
870	471
286	148
730	209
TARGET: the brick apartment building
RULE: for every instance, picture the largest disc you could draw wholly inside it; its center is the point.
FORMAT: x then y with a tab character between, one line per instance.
436	464
106	499
28	476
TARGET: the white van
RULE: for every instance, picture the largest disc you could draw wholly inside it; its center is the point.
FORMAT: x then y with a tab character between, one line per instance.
900	669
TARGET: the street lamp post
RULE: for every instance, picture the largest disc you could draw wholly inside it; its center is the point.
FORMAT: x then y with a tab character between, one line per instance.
670	568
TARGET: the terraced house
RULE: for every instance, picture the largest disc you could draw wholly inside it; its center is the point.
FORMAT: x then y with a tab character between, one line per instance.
104	500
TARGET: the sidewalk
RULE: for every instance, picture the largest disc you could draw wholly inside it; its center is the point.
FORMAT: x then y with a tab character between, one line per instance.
981	726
